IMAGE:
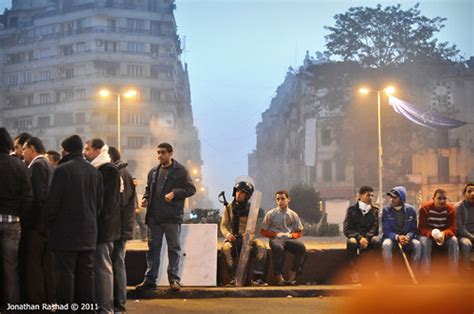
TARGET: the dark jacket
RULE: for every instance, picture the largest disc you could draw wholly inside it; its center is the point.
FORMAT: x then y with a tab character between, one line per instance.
464	230
41	174
178	181
389	222
16	195
74	199
357	225
127	201
109	220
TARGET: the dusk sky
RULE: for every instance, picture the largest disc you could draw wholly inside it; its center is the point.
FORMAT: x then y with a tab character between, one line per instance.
238	52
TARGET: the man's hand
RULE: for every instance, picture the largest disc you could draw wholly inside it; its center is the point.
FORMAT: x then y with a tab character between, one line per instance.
283	235
169	197
403	239
144	202
230	237
137	210
363	243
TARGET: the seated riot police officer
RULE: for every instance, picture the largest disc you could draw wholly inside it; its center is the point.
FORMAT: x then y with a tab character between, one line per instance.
233	225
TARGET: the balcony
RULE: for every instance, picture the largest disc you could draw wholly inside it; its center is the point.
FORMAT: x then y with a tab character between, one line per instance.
449	180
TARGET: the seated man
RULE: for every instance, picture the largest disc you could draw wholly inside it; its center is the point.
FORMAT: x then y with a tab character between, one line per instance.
361	227
233	225
283	226
399	226
437	224
465	224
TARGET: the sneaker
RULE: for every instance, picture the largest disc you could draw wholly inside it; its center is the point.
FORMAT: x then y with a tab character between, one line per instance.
232	283
258	283
146	285
175	285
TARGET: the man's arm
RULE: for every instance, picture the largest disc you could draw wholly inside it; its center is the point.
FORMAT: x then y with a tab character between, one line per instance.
450	231
265	229
374	231
423	223
185	188
462	231
349	228
387	229
225	222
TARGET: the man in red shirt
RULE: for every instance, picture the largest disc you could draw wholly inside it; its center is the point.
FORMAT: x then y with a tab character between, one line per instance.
437	228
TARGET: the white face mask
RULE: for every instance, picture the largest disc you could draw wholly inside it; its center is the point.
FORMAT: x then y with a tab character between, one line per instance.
365	208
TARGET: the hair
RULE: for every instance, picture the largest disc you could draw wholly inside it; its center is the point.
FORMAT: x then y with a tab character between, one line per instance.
114	154
364	189
54	154
96	143
439	191
37	144
285	192
6	142
466	186
166	146
22	138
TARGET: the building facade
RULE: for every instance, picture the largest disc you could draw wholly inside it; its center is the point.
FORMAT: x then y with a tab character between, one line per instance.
57	54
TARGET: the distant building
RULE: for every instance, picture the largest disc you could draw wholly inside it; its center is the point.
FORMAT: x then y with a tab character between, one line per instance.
320	132
57	54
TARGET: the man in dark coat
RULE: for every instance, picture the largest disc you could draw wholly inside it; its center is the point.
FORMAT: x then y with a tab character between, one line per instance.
108	221
38	267
15	199
74	200
127	209
168	185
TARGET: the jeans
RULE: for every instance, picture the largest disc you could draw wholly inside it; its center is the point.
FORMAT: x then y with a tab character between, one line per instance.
294	246
74	276
451	244
10	234
353	246
465	247
231	250
104	277
155	239
120	276
387	250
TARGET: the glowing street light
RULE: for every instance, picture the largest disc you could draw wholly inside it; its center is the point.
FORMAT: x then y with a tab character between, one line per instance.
389	90
104	93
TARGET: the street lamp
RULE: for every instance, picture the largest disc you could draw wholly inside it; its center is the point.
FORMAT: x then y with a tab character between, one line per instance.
387	90
104	93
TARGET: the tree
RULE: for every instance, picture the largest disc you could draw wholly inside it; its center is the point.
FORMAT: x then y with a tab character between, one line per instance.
305	201
380	37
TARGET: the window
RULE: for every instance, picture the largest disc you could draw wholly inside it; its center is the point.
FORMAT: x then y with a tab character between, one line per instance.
135	25
69	95
63	119
81	47
25	77
80	70
80	93
44	98
155	27
44	122
326	137
155	95
13	79
45	53
443	169
135	47
80	118
327	170
134	70
136	118
155	48
340	170
69	72
45	75
30	100
110	46
135	142
67	50
25	123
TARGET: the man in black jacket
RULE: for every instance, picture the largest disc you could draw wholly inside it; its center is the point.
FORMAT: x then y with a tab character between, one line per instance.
38	268
168	185
127	208
74	200
108	221
361	226
15	199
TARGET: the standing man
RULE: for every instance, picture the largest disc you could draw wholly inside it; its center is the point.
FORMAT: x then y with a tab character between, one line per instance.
437	224
74	200
53	157
361	227
38	263
399	226
465	224
108	221
20	140
168	185
15	199
233	226
127	212
283	226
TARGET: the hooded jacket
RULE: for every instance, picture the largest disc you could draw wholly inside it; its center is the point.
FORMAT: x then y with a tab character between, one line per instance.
127	201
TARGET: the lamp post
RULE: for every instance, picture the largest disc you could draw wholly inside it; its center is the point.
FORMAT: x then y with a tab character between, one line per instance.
388	90
104	93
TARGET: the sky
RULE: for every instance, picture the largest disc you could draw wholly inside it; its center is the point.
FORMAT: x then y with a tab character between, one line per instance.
239	51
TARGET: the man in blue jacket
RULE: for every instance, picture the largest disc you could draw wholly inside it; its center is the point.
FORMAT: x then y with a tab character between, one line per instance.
169	184
399	226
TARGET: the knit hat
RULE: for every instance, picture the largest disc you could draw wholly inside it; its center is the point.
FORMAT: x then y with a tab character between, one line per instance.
399	191
72	144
